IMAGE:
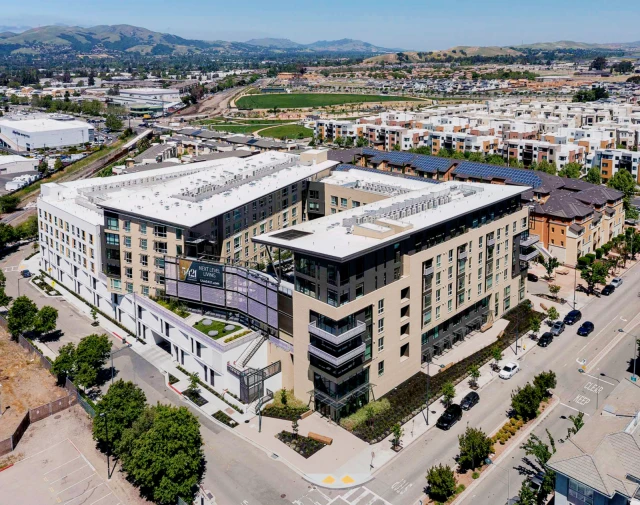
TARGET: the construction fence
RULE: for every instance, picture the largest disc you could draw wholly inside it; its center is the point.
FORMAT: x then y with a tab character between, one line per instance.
43	411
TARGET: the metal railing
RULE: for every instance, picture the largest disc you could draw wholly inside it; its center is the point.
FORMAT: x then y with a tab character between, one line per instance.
337	360
337	338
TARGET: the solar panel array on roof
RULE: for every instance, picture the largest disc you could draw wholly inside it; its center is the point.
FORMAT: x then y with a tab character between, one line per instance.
431	164
420	162
291	234
511	175
344	167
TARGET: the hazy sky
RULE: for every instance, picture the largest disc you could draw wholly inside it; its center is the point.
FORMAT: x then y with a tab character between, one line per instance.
408	24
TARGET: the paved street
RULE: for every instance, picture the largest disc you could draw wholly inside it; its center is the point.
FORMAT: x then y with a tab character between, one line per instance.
230	460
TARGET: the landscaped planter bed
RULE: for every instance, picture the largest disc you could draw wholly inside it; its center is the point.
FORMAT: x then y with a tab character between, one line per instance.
195	398
224	418
304	446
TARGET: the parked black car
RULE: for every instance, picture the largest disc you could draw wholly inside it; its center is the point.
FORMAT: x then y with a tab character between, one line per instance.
572	317
607	290
25	273
469	400
545	339
532	277
586	328
451	416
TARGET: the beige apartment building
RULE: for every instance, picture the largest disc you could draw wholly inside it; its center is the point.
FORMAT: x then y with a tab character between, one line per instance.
381	289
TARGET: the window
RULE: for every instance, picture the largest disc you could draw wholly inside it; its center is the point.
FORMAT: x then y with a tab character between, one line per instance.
450	289
437	312
480	288
143	228
381	306
143	244
381	344
381	325
343	202
160	231
354	204
128	272
112	223
381	368
112	239
450	273
127	256
437	278
145	290
334	200
314	193
450	305
579	493
359	291
437	295
158	262
115	284
127	241
450	255
129	287
404	352
438	260
480	257
332	298
160	247
144	260
126	225
178	234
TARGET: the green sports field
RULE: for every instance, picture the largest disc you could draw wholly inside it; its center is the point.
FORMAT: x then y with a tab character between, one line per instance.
291	131
299	100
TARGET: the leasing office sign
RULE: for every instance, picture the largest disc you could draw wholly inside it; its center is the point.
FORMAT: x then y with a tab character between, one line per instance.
210	274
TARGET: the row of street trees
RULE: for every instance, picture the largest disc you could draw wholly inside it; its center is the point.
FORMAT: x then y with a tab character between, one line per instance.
159	447
23	317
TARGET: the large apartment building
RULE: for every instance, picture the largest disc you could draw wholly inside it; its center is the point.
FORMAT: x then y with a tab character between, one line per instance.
610	161
381	288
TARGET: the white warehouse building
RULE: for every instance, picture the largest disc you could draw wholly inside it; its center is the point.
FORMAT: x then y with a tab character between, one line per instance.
45	131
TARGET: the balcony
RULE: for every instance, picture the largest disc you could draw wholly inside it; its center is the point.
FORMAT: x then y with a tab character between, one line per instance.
528	254
340	360
491	242
529	241
340	338
463	255
428	271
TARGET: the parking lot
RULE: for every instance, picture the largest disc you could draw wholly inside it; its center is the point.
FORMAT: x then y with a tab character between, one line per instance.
58	475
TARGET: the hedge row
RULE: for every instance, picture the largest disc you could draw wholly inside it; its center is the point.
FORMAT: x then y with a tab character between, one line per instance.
410	397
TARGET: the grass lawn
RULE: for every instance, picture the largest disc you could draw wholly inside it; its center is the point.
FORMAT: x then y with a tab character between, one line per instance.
217	326
289	131
235	128
294	100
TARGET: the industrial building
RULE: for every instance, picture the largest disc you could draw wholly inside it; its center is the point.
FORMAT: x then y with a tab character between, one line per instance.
27	133
14	164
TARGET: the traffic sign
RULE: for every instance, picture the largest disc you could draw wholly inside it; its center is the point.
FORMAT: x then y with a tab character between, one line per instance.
634	378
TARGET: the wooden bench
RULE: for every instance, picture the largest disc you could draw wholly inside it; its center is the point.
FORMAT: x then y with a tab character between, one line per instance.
543	307
446	366
320	438
306	414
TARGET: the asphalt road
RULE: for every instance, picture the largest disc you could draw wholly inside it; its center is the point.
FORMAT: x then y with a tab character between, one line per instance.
238	473
402	482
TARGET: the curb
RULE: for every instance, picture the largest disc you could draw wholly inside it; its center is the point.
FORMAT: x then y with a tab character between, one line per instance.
516	443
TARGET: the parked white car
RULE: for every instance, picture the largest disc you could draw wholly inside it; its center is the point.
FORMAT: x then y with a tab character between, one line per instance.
509	370
616	282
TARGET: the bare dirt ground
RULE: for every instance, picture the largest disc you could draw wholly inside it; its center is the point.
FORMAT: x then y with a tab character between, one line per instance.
57	462
25	384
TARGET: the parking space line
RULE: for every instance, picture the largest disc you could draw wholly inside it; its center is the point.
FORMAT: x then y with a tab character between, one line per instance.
63	490
82	455
100	498
67	475
60	466
87	491
40	452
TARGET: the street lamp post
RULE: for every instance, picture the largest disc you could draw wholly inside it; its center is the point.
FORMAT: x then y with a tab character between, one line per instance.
635	353
106	428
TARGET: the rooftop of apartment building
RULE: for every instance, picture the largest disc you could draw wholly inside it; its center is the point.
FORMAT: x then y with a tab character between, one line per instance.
192	193
359	230
375	181
605	454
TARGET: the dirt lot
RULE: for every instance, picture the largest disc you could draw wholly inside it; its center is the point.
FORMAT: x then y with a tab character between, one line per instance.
24	384
57	462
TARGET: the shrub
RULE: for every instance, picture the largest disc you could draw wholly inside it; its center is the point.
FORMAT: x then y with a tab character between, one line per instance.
362	415
442	482
599	253
475	475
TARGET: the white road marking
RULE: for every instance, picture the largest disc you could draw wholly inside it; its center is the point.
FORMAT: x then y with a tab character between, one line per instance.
63	490
80	496
60	466
67	475
594	388
101	498
401	486
573	408
581	400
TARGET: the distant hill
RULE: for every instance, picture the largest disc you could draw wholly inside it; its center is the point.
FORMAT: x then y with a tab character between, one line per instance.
60	39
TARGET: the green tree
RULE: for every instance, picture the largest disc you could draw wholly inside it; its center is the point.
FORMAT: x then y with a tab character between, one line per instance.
496	354
164	455
91	355
194	384
58	164
475	447
554	289
3	279
27	229
9	203
295	427
599	63
397	433
595	273
545	166
542	452
123	403
361	142
545	381
448	393
525	401
21	316
5	300
7	235
113	122
624	181
283	397
549	265
474	373
578	423
442	482
526	496
552	314
571	170
534	324
593	176
65	362
45	320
